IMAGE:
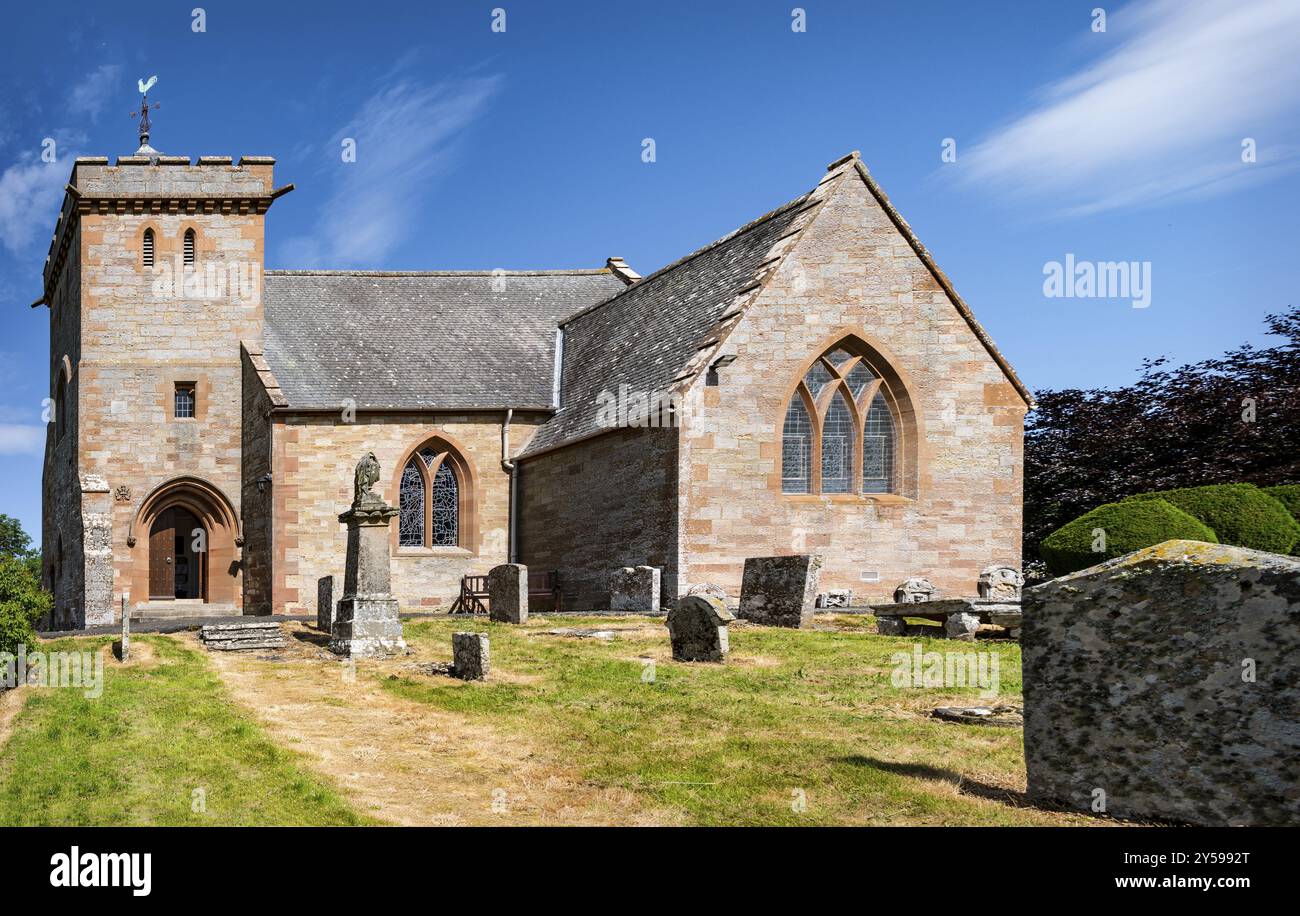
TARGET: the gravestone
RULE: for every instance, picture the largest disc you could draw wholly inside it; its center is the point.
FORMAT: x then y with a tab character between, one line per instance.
709	589
508	593
835	598
1166	682
915	590
367	622
122	648
697	627
325	603
242	637
635	589
1001	582
469	653
780	591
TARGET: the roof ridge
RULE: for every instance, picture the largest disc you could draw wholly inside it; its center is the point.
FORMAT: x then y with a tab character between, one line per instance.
496	272
735	233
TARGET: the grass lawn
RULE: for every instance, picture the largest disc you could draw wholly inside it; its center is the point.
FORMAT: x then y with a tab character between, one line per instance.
798	727
163	728
793	715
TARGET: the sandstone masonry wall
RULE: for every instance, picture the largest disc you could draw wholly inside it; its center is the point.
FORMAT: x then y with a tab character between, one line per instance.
314	459
852	272
595	506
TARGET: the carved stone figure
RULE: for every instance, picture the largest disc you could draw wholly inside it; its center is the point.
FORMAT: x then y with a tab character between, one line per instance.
367	475
915	591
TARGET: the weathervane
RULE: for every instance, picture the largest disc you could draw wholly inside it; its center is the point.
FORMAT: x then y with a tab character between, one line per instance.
145	126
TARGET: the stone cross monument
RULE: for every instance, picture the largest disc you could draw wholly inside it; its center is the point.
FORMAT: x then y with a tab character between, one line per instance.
367	622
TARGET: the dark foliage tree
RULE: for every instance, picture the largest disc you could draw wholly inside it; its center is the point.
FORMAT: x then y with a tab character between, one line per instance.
1235	418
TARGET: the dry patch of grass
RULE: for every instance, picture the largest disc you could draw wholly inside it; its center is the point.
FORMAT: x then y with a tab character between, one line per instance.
406	762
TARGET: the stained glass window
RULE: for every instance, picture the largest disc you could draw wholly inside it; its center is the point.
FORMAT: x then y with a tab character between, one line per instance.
410	506
878	448
796	448
859	379
445	507
852	412
837	446
817	377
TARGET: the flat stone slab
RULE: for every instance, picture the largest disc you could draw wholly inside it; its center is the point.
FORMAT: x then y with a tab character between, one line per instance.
239	637
1008	716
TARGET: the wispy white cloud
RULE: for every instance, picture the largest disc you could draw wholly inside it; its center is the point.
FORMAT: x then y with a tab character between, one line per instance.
405	135
87	98
1161	116
16	439
30	194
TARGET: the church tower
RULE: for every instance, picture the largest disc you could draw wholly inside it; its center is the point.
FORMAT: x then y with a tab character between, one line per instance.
154	276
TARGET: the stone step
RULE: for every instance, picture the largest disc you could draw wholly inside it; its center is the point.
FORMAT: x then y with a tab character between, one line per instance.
173	610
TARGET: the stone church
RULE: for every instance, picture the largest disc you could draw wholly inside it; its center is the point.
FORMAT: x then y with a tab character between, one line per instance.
809	383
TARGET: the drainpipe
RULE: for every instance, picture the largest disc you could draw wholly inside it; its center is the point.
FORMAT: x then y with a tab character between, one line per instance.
513	471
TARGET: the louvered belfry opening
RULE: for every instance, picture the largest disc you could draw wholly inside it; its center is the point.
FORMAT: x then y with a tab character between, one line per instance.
146	249
189	247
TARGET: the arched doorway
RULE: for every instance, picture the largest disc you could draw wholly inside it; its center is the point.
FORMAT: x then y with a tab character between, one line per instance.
178	556
185	542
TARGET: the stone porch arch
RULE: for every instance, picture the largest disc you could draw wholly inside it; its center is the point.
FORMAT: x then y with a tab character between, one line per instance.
225	537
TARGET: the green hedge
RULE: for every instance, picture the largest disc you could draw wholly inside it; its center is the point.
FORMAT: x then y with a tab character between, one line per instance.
1288	494
1129	525
1237	513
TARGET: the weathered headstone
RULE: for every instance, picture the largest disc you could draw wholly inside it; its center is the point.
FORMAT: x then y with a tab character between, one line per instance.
780	591
325	603
915	590
1001	582
122	648
508	593
697	627
367	622
709	589
835	598
635	589
469	653
1165	684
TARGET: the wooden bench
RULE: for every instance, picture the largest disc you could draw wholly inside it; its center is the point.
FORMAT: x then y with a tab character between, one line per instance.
474	597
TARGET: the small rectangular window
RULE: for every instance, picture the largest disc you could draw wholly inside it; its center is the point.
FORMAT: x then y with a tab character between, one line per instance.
184	399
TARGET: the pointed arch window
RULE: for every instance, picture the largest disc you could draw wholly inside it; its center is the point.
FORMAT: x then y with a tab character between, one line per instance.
146	249
431	500
840	433
189	248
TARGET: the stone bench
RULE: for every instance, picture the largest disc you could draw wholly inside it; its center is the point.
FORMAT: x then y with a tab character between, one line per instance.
961	617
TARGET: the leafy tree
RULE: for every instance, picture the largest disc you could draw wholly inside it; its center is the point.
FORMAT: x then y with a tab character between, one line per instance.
22	601
1234	418
14	541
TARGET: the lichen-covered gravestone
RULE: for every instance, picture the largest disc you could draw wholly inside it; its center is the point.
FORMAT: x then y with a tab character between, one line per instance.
697	627
469	653
780	591
635	589
1165	684
915	590
1001	582
508	593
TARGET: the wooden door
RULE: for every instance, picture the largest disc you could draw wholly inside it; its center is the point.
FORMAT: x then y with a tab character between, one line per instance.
162	559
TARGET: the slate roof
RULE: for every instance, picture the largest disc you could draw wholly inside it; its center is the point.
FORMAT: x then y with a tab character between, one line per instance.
644	336
421	340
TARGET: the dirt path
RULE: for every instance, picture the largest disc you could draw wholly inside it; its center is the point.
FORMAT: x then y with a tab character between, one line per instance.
406	762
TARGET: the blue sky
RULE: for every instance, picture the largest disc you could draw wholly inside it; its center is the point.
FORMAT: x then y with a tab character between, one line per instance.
523	148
